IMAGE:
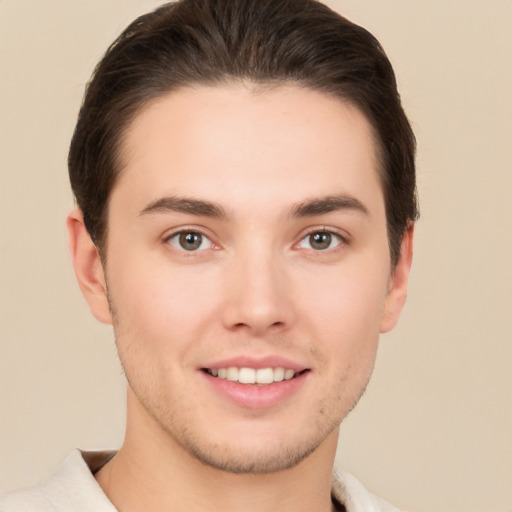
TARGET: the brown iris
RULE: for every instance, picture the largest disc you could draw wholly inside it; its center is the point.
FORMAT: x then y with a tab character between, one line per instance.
190	241
320	241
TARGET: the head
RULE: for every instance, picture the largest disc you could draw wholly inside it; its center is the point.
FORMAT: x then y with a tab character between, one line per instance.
245	170
215	42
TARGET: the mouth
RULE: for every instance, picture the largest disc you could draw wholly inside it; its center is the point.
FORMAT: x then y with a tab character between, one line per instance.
254	376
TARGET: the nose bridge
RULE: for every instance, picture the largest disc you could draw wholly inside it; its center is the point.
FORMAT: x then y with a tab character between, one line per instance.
258	291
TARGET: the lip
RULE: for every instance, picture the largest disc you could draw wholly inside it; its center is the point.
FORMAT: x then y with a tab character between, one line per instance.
253	396
257	363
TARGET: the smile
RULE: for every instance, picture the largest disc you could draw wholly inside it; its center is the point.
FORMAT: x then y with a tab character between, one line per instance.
261	376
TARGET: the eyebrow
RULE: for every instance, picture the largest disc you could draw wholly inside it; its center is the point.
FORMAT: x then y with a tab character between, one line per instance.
203	208
185	205
328	204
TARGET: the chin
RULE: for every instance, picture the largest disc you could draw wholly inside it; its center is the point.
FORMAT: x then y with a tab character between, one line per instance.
246	461
256	454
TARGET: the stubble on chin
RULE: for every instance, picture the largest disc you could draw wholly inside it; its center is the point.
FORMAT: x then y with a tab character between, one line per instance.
270	457
169	416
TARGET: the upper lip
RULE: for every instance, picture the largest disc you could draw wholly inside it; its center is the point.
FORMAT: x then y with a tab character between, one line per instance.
257	363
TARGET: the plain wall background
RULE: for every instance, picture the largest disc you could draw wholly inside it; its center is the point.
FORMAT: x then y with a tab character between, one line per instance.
433	432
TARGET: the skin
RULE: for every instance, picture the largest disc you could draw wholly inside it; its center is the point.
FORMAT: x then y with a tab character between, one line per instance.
256	287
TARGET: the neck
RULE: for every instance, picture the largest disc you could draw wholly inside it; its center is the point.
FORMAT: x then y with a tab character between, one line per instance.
151	472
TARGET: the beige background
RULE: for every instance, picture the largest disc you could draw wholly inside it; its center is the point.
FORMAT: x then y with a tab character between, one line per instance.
433	432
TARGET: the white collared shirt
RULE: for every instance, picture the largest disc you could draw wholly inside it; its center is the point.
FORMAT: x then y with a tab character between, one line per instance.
73	488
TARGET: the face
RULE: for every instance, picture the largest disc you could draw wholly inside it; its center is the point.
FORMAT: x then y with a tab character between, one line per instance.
248	271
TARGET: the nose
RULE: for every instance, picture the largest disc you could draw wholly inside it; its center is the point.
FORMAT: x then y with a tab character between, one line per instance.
258	296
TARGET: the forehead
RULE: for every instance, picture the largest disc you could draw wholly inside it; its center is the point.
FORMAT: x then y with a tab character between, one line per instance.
234	142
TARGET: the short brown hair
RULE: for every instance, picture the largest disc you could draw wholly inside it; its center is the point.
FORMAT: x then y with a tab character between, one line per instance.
211	42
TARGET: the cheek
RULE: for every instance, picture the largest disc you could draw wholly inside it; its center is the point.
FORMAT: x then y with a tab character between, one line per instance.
160	304
348	302
344	311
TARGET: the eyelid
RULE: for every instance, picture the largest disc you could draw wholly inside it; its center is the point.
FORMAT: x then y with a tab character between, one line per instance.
190	229
341	235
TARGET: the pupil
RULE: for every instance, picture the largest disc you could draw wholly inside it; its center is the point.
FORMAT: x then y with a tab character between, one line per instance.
190	241
321	240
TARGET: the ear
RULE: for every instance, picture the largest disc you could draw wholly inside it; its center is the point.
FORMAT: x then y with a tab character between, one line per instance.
398	282
88	267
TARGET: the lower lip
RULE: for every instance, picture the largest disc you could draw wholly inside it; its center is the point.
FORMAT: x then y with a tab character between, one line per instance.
253	396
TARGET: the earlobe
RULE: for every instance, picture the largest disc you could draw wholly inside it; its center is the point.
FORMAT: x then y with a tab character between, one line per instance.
88	267
398	283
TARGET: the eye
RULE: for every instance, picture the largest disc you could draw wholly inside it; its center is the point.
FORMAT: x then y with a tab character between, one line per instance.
190	241
320	241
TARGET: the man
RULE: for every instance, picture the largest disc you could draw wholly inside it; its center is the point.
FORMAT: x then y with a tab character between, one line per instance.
244	175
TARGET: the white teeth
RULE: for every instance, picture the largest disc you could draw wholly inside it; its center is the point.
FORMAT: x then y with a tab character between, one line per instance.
288	374
232	374
247	376
278	374
264	376
260	376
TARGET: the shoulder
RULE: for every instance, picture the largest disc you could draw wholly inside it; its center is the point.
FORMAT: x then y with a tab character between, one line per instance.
349	491
26	500
72	488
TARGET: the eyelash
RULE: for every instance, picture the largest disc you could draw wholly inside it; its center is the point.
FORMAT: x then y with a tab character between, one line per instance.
341	240
184	232
176	236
